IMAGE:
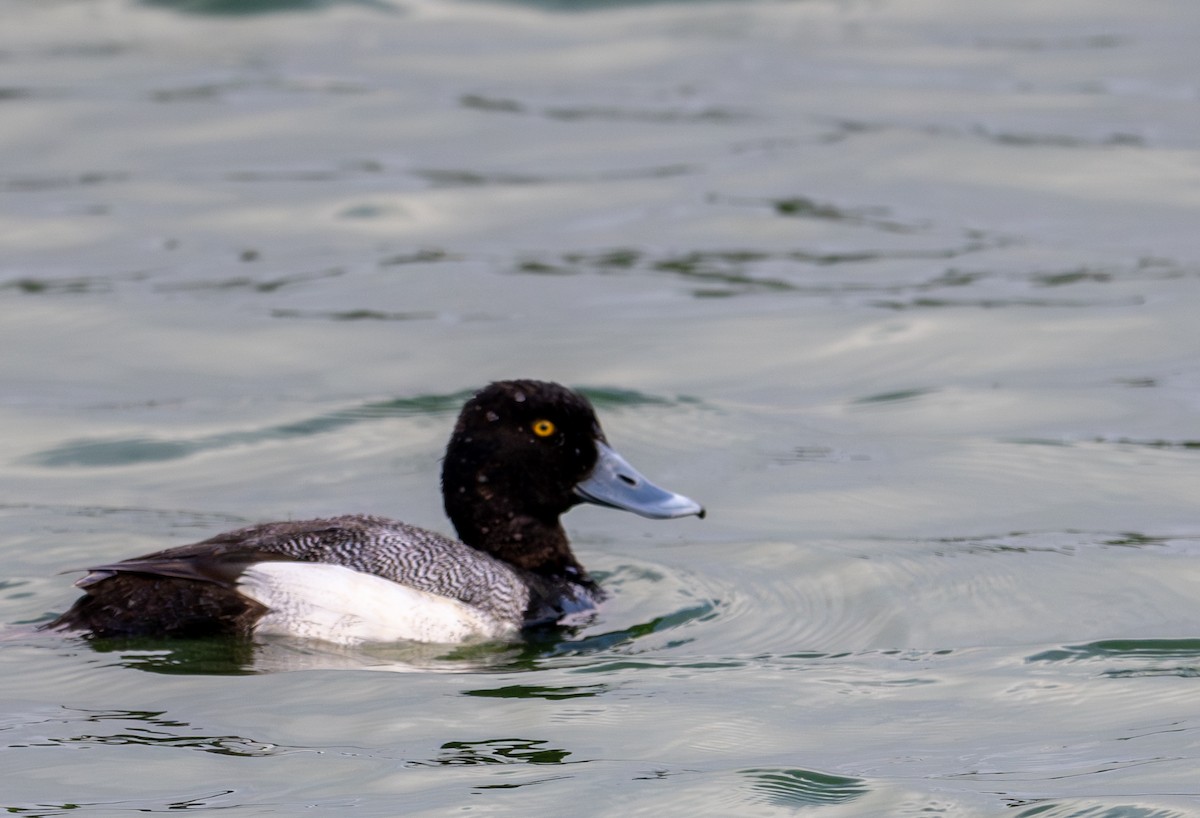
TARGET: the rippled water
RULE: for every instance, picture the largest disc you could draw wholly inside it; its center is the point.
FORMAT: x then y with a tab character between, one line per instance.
904	292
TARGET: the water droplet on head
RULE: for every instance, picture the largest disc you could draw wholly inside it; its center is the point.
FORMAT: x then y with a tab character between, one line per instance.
492	416
519	397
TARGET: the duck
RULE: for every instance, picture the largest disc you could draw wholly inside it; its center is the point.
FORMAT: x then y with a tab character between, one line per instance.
522	453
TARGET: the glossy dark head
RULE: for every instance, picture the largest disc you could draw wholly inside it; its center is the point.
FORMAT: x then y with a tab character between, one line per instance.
521	444
522	453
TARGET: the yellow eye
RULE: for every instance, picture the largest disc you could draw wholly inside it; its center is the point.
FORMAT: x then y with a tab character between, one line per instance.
543	428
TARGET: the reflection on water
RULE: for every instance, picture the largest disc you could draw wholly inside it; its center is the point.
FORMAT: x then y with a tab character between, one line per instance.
540	692
501	751
185	656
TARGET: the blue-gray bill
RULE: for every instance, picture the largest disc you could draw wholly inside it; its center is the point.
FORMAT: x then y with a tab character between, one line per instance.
617	484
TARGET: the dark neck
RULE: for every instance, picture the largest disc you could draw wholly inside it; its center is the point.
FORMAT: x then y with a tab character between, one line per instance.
530	544
508	511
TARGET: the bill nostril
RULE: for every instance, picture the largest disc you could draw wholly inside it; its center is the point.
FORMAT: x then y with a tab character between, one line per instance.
627	480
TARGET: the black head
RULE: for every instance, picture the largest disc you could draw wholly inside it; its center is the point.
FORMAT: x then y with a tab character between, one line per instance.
524	452
520	446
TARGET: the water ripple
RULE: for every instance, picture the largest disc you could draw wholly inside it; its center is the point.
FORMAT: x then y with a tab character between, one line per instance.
216	799
126	451
132	450
802	788
1113	808
1136	657
615	112
652	610
148	728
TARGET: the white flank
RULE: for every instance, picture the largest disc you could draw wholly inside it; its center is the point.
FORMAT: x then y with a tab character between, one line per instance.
338	604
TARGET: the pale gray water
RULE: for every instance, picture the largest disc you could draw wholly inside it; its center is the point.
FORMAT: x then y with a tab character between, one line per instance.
905	292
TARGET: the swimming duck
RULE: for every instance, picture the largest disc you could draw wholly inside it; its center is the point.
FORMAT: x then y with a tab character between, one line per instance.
522	453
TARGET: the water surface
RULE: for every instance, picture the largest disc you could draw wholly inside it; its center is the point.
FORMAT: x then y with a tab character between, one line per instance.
905	293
